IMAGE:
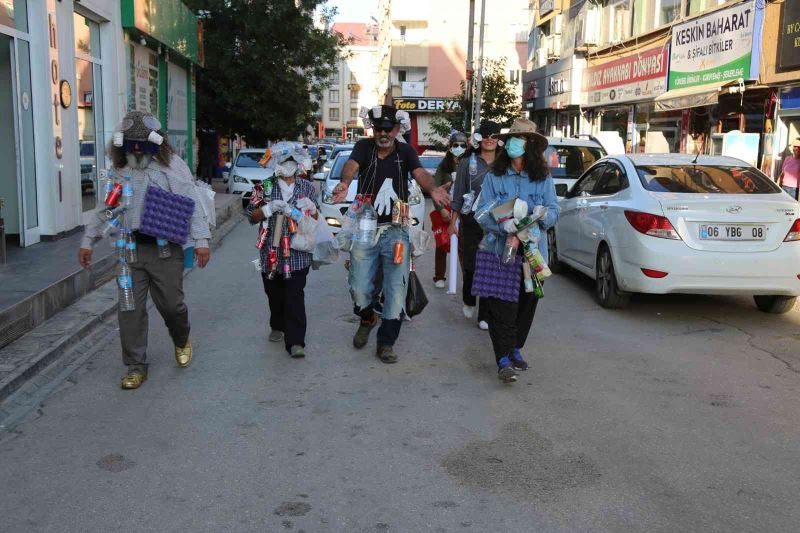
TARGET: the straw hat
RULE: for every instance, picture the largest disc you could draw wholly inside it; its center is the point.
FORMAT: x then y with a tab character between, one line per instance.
522	127
796	143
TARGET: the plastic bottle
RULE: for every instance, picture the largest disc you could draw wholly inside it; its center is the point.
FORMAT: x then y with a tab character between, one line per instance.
111	227
130	248
163	248
127	192
125	283
510	250
119	246
473	166
367	225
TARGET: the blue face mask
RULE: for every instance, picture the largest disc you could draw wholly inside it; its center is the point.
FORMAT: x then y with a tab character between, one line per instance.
457	151
515	147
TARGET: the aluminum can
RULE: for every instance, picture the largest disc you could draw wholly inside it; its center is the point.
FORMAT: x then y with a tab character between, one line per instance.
286	249
291	225
113	196
262	238
287	273
399	248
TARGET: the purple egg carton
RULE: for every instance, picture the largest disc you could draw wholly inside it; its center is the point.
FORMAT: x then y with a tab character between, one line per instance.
493	279
166	215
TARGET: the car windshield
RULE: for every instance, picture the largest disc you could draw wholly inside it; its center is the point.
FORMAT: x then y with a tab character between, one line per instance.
430	162
705	179
312	151
338	165
248	160
571	161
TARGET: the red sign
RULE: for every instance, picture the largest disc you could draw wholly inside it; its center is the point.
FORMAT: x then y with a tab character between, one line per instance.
634	77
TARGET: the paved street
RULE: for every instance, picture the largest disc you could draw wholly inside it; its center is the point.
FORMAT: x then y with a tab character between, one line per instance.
678	413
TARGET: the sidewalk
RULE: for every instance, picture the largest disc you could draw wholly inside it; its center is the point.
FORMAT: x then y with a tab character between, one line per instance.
52	302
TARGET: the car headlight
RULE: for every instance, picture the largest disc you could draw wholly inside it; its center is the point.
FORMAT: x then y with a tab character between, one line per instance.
327	197
238	179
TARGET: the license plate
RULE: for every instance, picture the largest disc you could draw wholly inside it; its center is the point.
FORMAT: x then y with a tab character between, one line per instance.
732	232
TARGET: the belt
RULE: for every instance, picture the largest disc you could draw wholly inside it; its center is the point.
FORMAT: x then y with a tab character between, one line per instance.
143	238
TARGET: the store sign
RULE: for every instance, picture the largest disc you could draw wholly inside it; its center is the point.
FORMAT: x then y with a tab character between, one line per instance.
427	105
642	76
790	98
168	21
143	93
789	43
716	48
546	6
413	88
554	86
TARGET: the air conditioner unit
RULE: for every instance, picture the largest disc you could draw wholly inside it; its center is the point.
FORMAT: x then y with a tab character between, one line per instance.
591	28
557	24
554	47
541	56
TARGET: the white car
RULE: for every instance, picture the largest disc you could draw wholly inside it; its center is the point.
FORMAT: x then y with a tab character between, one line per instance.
676	223
245	173
569	157
334	213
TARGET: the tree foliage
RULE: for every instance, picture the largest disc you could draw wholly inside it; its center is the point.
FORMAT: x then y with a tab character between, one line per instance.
499	102
265	60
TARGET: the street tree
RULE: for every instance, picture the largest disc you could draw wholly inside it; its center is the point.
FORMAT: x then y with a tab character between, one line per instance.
266	64
499	102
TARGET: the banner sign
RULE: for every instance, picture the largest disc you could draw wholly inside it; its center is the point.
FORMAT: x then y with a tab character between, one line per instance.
789	44
427	105
716	48
640	76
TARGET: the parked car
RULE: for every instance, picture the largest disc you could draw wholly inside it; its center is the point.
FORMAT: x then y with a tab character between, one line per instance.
430	160
568	158
328	164
245	173
88	167
677	223
334	213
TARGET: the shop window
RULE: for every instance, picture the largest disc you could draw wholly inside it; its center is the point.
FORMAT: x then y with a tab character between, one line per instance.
333	96
697	6
87	95
14	14
333	113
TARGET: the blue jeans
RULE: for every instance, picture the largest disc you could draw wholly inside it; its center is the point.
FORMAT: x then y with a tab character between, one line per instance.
791	191
364	261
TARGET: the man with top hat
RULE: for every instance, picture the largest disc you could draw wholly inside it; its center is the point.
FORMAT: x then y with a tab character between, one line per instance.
142	155
383	164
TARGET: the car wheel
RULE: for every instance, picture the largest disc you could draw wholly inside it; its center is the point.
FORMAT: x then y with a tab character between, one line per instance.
775	304
608	293
552	254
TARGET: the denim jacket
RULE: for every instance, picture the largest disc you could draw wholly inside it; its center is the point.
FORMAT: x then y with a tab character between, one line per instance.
515	185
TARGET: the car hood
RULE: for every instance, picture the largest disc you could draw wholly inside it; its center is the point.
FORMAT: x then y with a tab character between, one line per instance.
252	173
351	191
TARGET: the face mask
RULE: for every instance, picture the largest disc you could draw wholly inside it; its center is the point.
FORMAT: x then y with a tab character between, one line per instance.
286	169
457	151
515	147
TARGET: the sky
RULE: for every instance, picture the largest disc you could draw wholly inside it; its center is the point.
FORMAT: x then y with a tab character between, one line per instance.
354	10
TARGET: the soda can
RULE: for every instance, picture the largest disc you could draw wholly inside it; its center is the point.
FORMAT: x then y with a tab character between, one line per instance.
291	225
267	186
405	213
113	196
286	250
287	273
262	238
397	214
399	248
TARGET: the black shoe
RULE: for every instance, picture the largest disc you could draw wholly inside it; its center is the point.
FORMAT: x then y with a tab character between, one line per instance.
506	372
386	354
517	361
362	334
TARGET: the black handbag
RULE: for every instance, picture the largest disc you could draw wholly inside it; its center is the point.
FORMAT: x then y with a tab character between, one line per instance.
415	297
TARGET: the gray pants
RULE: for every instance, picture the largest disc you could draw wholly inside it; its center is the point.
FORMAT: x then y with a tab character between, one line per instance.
163	278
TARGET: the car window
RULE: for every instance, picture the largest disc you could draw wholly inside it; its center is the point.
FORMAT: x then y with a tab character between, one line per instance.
248	160
613	181
87	149
571	161
338	165
587	182
705	179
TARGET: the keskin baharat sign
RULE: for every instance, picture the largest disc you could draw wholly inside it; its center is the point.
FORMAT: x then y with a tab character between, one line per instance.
427	105
789	44
636	77
717	48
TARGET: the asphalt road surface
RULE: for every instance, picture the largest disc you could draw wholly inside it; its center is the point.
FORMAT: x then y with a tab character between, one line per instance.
678	413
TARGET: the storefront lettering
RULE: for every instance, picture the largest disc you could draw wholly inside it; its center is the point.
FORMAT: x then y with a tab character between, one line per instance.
789	43
556	86
427	104
713	28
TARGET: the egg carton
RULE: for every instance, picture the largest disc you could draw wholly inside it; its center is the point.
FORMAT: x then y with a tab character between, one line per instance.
166	215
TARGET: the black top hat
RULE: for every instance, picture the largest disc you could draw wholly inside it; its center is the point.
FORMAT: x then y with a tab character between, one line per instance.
488	127
383	116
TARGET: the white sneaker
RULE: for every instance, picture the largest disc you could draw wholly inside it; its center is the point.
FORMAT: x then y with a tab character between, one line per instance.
440	284
483	325
468	311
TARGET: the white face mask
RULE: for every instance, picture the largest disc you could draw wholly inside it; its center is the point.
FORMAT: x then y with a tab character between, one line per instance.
457	151
286	169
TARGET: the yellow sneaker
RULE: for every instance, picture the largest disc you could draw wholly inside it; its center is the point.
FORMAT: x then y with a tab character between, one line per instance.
183	356
133	379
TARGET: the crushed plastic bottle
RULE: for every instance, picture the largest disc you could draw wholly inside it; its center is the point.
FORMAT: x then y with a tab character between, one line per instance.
367	226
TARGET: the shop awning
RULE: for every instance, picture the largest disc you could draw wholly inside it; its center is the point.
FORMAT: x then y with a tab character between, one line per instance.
688	97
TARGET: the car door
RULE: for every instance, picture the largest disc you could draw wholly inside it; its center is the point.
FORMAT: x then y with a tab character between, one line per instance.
568	232
595	217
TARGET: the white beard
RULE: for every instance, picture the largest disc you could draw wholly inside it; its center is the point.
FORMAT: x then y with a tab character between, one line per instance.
139	162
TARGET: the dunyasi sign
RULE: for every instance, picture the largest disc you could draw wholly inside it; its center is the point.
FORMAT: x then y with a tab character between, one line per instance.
427	105
717	48
641	76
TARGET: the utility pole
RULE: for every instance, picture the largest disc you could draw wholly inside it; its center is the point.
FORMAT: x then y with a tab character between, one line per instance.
479	91
470	70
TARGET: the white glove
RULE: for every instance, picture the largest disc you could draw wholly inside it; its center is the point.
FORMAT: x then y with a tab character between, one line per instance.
384	198
275	206
509	226
539	212
306	204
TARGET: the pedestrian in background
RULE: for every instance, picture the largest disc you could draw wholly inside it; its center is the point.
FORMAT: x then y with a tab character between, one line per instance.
151	164
456	147
284	278
519	172
468	187
790	171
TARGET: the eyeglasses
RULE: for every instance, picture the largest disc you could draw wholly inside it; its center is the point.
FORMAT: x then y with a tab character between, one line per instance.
143	146
383	129
456	145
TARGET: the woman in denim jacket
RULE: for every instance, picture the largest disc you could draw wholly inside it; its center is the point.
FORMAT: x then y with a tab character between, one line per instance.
519	171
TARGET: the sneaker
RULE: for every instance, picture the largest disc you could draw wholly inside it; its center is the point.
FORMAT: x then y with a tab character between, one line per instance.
506	372
362	334
517	361
468	310
297	351
275	336
439	284
386	354
483	325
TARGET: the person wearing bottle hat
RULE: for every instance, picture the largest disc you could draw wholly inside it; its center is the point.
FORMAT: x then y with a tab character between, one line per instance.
519	172
140	150
790	171
383	165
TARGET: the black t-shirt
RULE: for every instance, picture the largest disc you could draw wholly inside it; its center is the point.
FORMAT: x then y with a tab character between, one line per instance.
373	171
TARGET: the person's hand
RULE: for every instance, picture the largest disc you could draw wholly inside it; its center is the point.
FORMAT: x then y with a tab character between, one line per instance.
275	206
439	195
307	204
452	229
509	226
445	215
85	257
340	193
201	256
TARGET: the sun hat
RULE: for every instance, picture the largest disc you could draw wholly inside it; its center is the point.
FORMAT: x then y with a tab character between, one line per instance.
522	127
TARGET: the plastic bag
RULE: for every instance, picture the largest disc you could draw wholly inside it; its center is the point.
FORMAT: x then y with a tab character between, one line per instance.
440	236
419	239
416	300
205	196
304	240
326	251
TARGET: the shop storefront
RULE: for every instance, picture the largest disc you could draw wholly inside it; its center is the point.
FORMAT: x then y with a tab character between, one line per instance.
163	48
421	111
552	97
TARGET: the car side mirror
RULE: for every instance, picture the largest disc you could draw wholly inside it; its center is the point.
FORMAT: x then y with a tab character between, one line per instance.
319	176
